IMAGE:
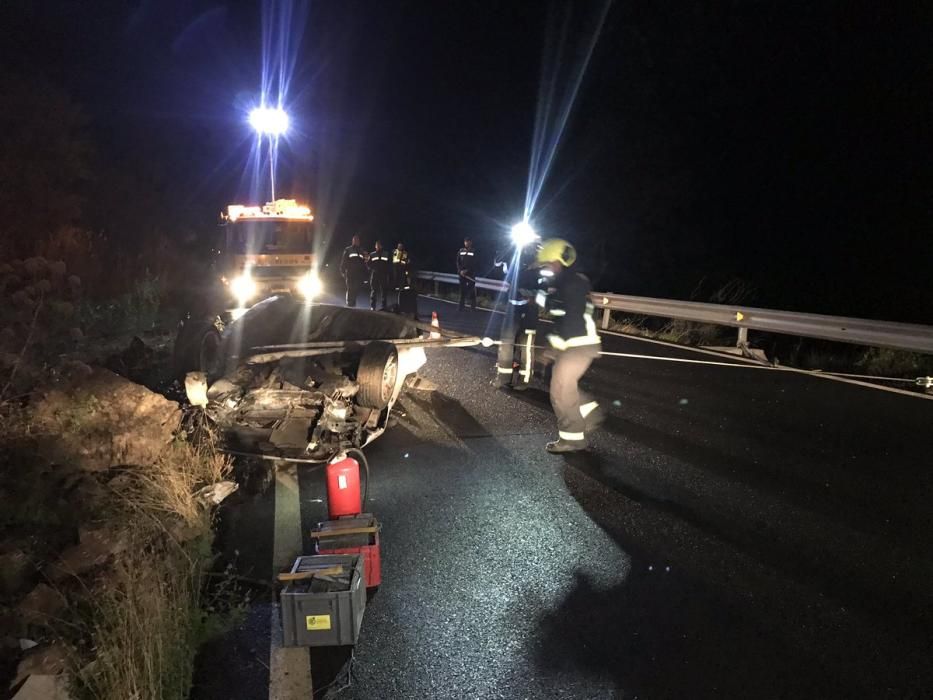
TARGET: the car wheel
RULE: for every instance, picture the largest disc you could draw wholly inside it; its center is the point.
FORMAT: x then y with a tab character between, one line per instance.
377	375
196	347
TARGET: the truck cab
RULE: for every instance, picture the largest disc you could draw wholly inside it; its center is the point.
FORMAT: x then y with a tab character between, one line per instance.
268	250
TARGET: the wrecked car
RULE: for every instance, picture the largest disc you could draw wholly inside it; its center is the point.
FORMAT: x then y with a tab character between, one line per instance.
291	379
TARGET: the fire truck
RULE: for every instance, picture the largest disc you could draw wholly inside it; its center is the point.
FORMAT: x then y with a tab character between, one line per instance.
268	250
264	251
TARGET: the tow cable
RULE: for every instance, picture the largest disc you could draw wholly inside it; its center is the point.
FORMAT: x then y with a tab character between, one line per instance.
922	382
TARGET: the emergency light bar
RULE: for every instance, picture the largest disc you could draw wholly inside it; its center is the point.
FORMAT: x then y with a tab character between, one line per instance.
279	209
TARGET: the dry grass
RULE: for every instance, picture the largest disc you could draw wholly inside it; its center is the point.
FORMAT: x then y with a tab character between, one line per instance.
143	624
166	488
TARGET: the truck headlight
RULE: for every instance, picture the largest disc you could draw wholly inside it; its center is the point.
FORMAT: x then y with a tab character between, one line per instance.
310	285
243	288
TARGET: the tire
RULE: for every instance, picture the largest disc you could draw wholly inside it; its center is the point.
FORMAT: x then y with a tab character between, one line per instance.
196	347
377	375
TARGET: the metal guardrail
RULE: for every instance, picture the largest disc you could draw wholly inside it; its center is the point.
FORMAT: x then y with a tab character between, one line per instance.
449	278
858	331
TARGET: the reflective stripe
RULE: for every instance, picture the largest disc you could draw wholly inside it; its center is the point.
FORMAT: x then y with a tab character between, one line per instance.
557	312
571	436
530	331
541	299
518	302
587	408
557	342
354	255
504	370
526	373
580	341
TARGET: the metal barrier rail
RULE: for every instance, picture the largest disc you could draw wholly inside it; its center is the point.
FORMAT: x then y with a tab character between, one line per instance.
449	278
858	331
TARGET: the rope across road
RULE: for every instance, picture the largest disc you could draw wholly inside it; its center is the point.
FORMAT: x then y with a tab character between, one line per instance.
923	382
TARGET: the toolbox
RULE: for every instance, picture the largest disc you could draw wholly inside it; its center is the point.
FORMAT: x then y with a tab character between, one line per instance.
356	534
323	601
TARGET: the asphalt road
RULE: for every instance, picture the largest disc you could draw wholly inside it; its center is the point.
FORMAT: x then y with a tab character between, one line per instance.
732	532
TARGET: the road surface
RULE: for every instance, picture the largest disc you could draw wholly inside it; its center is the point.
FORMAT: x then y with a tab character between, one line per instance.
732	532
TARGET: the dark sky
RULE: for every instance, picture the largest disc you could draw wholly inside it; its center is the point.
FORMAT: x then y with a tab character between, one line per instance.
787	144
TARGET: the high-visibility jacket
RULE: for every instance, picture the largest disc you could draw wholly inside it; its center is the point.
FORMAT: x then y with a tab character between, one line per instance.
380	264
401	265
568	305
353	262
466	262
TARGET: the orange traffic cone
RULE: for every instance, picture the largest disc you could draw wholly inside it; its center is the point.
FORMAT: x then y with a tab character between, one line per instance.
435	324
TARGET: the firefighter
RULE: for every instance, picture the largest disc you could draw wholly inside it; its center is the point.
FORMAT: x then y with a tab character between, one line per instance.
466	269
353	269
380	276
407	294
573	341
515	364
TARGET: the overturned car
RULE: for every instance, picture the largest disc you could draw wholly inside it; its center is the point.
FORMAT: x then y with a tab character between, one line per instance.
291	379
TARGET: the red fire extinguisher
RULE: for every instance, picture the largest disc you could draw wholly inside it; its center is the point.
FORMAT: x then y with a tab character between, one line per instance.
343	487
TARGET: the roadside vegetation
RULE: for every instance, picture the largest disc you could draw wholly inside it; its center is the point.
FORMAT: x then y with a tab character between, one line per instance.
107	493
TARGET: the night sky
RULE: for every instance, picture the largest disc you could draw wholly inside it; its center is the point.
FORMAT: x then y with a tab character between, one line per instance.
786	144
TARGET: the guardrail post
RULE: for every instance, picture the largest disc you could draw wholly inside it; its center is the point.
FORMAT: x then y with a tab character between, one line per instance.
437	288
743	337
605	321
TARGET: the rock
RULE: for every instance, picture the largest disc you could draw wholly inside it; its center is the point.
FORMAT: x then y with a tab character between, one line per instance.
44	688
43	287
104	421
96	547
58	268
42	604
76	334
46	660
16	573
74	283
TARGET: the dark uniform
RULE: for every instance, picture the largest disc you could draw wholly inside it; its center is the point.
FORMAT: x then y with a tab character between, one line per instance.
515	364
380	277
353	269
466	268
577	344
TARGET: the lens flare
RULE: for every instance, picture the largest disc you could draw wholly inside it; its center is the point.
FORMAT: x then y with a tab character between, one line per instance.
271	121
523	234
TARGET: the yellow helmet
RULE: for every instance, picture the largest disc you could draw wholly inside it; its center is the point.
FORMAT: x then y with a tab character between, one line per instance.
556	250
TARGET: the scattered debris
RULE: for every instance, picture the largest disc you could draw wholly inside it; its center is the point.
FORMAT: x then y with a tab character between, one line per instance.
216	493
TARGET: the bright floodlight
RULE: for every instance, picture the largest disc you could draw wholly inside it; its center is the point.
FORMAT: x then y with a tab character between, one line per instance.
269	120
523	234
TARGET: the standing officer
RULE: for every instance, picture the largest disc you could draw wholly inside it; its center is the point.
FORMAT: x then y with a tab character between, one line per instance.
353	269
380	276
407	295
466	268
573	339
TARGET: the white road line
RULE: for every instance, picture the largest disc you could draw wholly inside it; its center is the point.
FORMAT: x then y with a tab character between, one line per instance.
289	667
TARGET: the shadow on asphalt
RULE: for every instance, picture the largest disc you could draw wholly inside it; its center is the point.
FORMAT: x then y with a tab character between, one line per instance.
670	633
